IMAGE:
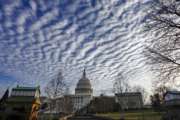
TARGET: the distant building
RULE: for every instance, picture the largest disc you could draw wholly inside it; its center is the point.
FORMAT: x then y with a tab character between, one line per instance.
129	100
83	93
172	104
103	104
65	104
172	98
22	104
74	102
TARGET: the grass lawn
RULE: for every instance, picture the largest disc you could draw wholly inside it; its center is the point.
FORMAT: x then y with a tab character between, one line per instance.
135	115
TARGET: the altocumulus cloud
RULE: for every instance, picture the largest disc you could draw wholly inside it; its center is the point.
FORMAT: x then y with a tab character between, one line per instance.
39	37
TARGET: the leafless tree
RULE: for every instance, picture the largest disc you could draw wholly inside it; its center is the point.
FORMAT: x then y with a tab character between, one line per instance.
65	104
121	85
163	49
55	88
161	90
138	88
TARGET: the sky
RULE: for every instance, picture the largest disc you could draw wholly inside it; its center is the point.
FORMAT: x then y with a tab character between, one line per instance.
39	38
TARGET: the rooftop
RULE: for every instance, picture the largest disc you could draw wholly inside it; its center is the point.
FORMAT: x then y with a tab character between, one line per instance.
83	83
22	88
173	92
128	94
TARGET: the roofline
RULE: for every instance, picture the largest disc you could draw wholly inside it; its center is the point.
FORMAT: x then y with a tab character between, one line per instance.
172	92
128	93
24	88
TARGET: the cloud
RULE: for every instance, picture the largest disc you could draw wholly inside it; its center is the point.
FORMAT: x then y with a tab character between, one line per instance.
38	38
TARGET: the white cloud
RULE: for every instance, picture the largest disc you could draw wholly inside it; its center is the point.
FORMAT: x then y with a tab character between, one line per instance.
106	39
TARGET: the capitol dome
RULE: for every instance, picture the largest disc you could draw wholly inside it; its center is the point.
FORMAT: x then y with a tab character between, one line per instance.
83	85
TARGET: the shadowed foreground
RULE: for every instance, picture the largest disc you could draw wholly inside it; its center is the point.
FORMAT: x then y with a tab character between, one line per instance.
135	115
88	117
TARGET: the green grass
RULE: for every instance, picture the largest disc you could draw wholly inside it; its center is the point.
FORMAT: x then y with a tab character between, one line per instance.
135	115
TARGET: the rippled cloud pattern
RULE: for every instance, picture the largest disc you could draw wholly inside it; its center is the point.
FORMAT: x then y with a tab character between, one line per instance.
40	37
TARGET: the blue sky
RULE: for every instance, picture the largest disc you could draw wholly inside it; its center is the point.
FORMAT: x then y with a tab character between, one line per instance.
38	38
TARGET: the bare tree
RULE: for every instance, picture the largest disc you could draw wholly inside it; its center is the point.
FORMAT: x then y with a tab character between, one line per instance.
55	88
161	90
121	85
163	50
138	88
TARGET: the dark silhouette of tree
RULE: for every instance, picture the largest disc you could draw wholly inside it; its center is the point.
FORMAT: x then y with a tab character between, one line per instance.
161	90
156	102
3	100
163	50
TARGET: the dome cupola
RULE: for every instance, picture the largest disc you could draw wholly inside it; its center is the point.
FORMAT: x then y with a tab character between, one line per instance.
83	85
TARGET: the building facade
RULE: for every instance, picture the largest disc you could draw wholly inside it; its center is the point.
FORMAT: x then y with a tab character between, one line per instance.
22	104
172	98
74	102
83	93
129	100
65	104
103	104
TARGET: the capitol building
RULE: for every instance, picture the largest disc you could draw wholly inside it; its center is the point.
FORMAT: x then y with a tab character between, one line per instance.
83	93
83	101
75	102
